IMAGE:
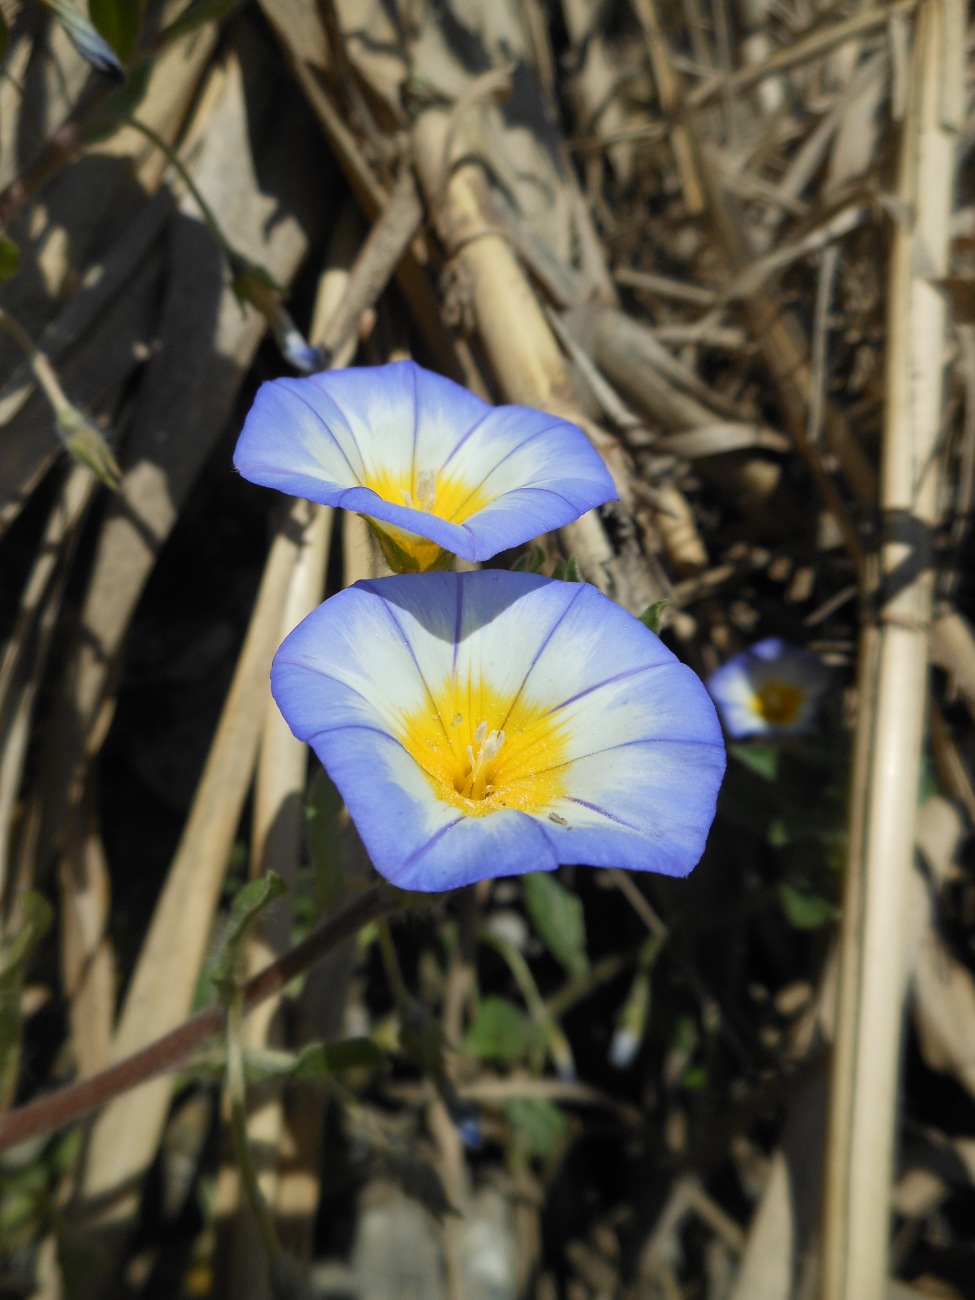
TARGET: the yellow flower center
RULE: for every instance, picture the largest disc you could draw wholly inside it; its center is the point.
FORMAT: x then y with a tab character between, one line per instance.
779	703
446	496
482	753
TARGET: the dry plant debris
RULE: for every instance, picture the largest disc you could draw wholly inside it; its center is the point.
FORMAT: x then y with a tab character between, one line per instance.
735	244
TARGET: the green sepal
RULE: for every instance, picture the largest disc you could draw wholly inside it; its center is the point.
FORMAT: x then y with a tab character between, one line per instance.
86	443
529	561
398	560
653	614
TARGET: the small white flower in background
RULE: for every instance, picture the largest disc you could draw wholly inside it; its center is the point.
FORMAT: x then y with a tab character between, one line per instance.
770	689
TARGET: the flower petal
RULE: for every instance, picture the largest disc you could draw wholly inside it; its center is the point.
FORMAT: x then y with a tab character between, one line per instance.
613	754
376	439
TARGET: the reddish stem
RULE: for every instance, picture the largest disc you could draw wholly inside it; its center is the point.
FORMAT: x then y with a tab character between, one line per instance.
59	1108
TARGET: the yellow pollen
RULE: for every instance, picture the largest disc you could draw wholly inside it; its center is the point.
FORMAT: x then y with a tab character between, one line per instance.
779	703
443	495
481	753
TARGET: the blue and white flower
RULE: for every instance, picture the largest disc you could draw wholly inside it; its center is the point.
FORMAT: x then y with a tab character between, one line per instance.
771	689
491	723
437	471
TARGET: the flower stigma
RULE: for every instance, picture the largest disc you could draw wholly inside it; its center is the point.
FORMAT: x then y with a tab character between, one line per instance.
515	756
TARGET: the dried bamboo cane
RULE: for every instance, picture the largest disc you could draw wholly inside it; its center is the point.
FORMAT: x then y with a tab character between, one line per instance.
518	341
893	686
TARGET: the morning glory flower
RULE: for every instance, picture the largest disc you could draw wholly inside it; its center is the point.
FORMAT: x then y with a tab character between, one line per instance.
434	469
770	689
492	723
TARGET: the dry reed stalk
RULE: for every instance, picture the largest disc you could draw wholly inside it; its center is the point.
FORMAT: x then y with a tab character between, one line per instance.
24	656
183	404
126	1134
524	354
812	46
299	27
276	839
342	300
669	97
893	684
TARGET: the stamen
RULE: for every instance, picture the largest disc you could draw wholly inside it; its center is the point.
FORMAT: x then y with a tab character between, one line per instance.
477	785
426	489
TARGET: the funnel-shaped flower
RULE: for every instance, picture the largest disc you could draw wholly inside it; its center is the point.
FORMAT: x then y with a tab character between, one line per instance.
434	468
486	724
770	689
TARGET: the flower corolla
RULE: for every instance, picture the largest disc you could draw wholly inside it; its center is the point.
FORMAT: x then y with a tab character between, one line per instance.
491	723
771	689
435	470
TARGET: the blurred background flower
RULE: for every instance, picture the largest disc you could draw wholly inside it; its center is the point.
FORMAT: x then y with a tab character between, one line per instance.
772	688
488	724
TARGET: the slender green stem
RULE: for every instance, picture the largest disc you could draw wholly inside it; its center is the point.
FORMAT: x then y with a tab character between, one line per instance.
237	1093
191	185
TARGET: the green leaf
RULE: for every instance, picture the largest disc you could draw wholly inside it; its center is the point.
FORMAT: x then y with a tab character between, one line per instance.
500	1032
761	759
318	1060
119	22
538	1127
572	571
246	907
559	920
558	570
314	1061
652	615
805	911
9	256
